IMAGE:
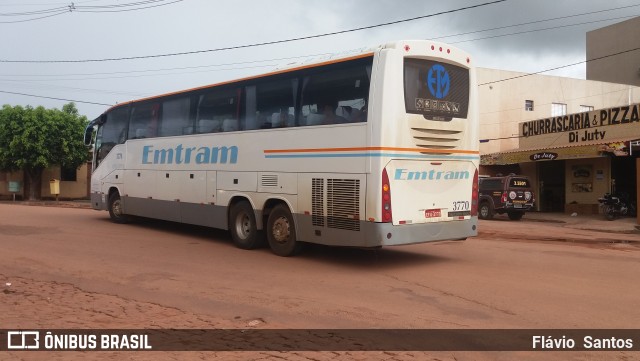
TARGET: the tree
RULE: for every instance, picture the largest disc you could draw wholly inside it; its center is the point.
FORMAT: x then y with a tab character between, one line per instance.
33	139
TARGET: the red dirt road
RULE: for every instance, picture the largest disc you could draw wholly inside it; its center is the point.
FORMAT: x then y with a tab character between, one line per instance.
73	268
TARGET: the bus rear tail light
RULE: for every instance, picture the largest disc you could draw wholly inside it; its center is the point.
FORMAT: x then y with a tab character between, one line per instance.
474	195
386	198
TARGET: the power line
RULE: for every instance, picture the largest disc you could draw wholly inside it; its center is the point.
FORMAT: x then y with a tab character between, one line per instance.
41	4
257	44
81	9
33	19
45	97
389	23
440	37
37	12
487	83
73	7
54	87
434	38
543	29
142	75
560	67
533	22
86	9
164	69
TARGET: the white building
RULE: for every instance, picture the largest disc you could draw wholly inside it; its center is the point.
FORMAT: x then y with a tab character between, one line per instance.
588	151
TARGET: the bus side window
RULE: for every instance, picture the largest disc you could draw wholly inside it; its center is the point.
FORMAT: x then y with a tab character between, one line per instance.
218	111
271	104
175	117
335	96
144	119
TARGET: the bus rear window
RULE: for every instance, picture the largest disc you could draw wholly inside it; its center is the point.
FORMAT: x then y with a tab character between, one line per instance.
437	90
519	183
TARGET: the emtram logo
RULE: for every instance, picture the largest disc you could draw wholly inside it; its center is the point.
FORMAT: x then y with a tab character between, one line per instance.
438	81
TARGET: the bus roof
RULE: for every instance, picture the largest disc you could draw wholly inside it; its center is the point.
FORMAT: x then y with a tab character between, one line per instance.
312	63
278	70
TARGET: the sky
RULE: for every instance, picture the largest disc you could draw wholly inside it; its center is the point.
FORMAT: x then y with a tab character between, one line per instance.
37	34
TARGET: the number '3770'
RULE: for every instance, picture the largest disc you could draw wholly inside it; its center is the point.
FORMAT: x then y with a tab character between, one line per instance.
461	206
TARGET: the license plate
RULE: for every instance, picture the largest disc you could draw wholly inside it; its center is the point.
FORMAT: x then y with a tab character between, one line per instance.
432	213
517	205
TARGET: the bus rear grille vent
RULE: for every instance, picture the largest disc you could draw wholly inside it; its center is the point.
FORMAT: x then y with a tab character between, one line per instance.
269	180
436	135
317	202
343	204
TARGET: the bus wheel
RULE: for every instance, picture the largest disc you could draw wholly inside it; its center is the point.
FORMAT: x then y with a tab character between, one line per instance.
242	225
115	209
281	232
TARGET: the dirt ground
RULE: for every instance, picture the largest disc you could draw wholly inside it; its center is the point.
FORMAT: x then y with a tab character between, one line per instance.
64	306
73	269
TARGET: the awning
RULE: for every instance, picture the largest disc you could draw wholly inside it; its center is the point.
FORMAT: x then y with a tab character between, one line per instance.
617	148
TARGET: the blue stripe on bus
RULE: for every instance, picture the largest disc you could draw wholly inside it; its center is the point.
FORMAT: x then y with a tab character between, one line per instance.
361	155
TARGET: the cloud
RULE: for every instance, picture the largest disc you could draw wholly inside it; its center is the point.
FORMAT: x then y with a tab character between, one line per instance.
202	24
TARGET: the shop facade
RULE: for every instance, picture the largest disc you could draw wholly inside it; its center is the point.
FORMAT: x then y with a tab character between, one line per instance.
574	159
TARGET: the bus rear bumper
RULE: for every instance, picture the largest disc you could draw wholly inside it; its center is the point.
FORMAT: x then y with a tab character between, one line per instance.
364	234
386	234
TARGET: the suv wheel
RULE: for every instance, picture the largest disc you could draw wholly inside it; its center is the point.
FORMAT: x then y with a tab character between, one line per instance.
485	211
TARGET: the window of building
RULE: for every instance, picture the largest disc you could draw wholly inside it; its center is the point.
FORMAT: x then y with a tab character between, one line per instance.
68	174
586	108
558	109
528	105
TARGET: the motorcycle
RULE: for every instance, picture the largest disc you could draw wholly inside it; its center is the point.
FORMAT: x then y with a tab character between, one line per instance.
616	205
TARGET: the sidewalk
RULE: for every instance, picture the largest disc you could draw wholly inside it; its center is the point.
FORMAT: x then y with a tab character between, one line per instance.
586	222
82	203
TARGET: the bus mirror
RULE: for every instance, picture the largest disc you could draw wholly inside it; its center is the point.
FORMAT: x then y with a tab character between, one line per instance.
88	136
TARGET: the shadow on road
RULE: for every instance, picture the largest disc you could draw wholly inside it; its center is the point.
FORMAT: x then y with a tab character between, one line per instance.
378	258
359	258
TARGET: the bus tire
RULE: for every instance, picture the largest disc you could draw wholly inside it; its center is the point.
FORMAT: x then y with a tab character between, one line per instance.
115	209
242	225
281	232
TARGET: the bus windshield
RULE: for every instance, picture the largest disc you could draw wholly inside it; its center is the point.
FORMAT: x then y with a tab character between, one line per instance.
437	90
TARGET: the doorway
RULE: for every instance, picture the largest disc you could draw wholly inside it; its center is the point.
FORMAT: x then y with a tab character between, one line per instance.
551	176
624	176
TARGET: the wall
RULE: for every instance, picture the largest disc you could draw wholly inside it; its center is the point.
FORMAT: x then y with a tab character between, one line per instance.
5	178
613	39
502	105
598	181
68	190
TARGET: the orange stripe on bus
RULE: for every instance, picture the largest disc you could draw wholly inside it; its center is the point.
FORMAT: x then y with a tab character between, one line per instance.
420	150
277	72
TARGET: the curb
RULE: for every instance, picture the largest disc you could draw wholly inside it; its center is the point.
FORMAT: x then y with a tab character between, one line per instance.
61	204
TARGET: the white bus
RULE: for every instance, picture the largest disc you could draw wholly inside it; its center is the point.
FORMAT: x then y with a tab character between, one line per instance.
372	149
